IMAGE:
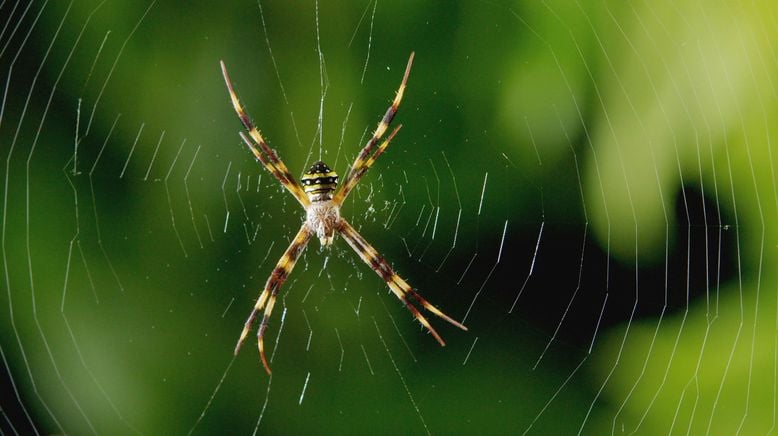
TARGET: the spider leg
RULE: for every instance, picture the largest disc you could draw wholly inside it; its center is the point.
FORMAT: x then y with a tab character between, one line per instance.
267	298
266	155
357	175
402	284
398	286
360	165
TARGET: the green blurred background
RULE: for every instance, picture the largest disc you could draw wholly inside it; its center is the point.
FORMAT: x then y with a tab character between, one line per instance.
589	185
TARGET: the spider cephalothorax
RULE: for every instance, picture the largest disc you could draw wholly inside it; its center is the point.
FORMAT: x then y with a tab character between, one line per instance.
322	202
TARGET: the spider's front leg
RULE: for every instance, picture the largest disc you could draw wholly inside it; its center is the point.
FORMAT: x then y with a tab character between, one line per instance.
268	297
399	287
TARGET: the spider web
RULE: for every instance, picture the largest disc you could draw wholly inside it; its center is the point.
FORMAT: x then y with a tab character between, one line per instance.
589	187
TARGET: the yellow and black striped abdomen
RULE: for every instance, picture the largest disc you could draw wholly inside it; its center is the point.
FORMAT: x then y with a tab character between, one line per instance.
319	182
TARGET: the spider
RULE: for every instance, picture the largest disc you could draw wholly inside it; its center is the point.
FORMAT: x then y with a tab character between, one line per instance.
322	201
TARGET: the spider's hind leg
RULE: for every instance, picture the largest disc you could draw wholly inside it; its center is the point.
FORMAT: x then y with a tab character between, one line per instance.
368	155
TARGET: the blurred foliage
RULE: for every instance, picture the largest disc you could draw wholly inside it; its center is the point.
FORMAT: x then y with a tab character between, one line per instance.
635	138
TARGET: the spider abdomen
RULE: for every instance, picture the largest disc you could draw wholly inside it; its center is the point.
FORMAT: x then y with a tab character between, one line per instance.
319	182
322	218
